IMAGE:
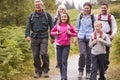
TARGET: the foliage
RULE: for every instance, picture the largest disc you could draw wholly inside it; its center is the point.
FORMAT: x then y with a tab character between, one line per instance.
101	1
14	51
49	4
116	45
115	11
14	12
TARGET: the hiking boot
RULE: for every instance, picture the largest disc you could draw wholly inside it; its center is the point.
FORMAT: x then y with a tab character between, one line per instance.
46	75
80	74
37	75
87	75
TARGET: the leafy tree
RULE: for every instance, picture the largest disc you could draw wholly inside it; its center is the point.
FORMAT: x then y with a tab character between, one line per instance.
49	4
14	12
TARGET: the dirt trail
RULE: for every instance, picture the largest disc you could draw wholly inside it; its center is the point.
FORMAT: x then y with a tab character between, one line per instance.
72	69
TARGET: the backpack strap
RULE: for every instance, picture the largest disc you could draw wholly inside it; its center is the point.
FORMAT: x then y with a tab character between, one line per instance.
46	15
92	18
32	15
109	19
68	27
95	35
58	27
81	16
99	17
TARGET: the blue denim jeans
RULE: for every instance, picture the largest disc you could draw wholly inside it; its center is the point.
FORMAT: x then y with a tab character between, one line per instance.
41	58
85	55
63	53
98	63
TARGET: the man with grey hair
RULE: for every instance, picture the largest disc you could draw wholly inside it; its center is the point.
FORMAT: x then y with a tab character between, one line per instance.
38	23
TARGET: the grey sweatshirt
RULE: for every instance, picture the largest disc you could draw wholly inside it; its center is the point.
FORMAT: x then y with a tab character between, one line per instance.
100	46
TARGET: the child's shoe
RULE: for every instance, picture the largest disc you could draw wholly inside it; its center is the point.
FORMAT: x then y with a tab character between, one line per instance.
87	75
80	74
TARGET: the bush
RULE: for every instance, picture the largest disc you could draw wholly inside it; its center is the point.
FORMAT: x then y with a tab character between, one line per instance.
13	52
115	11
116	43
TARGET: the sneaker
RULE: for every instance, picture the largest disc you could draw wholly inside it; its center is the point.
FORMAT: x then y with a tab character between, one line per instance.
46	75
37	75
80	74
87	75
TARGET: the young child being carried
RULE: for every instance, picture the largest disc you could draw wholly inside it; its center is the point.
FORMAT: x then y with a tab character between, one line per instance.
63	32
98	42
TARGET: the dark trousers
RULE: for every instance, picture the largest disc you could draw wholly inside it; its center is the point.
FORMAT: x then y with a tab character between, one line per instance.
107	57
85	55
63	53
41	58
98	63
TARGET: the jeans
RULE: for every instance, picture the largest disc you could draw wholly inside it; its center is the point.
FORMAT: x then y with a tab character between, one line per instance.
41	58
63	53
85	55
98	63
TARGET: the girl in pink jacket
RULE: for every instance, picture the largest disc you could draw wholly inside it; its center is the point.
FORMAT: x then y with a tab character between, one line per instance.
63	31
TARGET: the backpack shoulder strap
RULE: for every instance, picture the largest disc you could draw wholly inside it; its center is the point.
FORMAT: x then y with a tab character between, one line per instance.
32	15
46	15
81	16
58	27
109	19
99	17
92	18
68	26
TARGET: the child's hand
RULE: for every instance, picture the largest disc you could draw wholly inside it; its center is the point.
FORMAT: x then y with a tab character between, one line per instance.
57	32
68	31
100	39
95	41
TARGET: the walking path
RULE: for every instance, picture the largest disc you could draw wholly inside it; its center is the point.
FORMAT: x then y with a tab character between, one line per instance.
72	69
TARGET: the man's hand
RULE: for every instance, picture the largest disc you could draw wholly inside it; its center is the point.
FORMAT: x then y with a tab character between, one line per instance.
52	41
28	38
111	37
